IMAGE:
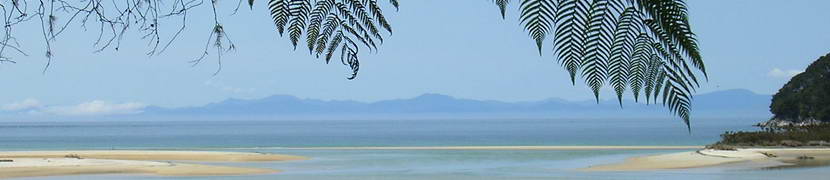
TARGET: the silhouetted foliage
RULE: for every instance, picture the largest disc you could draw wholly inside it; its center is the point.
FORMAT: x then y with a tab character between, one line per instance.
332	26
806	96
110	20
643	45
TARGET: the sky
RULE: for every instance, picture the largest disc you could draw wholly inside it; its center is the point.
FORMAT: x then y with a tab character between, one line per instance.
458	48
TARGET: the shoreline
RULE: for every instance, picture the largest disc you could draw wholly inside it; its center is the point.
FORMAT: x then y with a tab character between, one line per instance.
205	156
479	148
59	163
754	157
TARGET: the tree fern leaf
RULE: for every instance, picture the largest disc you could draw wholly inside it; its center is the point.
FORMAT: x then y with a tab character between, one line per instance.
672	17
335	42
349	56
377	12
538	17
620	65
597	45
570	34
654	77
640	66
502	4
318	15
353	32
360	14
677	98
280	13
360	25
395	3
332	23
299	10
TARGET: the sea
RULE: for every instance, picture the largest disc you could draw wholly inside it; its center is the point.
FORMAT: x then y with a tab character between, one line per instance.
301	137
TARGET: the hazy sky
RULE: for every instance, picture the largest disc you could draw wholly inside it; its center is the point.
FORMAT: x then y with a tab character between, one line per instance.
459	48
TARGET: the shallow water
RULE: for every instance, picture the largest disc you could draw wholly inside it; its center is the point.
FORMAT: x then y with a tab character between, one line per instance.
473	165
403	164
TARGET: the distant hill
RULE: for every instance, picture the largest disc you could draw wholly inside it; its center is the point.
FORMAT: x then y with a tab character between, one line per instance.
729	103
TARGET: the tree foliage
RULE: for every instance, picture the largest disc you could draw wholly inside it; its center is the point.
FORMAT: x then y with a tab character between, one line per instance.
332	26
808	135
111	21
806	96
645	46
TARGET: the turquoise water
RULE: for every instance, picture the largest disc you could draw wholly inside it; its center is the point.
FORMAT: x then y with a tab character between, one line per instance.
269	136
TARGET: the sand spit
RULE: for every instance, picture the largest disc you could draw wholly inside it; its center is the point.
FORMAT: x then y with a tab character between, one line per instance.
56	163
762	157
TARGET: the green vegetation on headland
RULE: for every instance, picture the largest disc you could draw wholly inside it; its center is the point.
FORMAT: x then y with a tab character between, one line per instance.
806	97
789	136
801	112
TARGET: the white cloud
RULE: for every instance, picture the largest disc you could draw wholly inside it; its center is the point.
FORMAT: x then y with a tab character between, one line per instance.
96	107
778	73
26	104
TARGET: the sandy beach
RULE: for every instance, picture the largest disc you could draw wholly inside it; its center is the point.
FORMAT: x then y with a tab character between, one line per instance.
506	148
55	163
155	155
759	157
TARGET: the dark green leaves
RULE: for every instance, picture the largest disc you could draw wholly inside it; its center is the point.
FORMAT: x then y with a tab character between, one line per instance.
280	13
646	46
538	16
502	6
332	27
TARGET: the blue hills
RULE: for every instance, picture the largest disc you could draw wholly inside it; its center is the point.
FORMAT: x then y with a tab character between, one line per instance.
728	103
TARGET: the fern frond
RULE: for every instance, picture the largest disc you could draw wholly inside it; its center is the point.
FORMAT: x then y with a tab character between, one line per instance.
335	42
331	26
670	52
357	15
675	97
377	12
280	13
640	66
672	17
644	45
318	15
357	35
349	56
620	65
502	4
332	23
395	3
653	78
299	10
570	34
598	45
538	17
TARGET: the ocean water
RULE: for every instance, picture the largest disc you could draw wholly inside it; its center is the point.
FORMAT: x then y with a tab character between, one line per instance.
336	133
279	136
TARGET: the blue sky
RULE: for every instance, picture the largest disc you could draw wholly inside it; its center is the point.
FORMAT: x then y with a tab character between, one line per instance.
459	48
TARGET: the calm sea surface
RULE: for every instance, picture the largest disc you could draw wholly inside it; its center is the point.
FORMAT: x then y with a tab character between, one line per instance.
272	136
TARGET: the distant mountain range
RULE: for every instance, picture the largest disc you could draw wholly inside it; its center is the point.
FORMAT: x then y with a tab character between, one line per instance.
729	103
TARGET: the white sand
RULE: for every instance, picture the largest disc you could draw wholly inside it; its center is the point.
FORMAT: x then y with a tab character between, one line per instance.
154	155
708	157
54	163
506	148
